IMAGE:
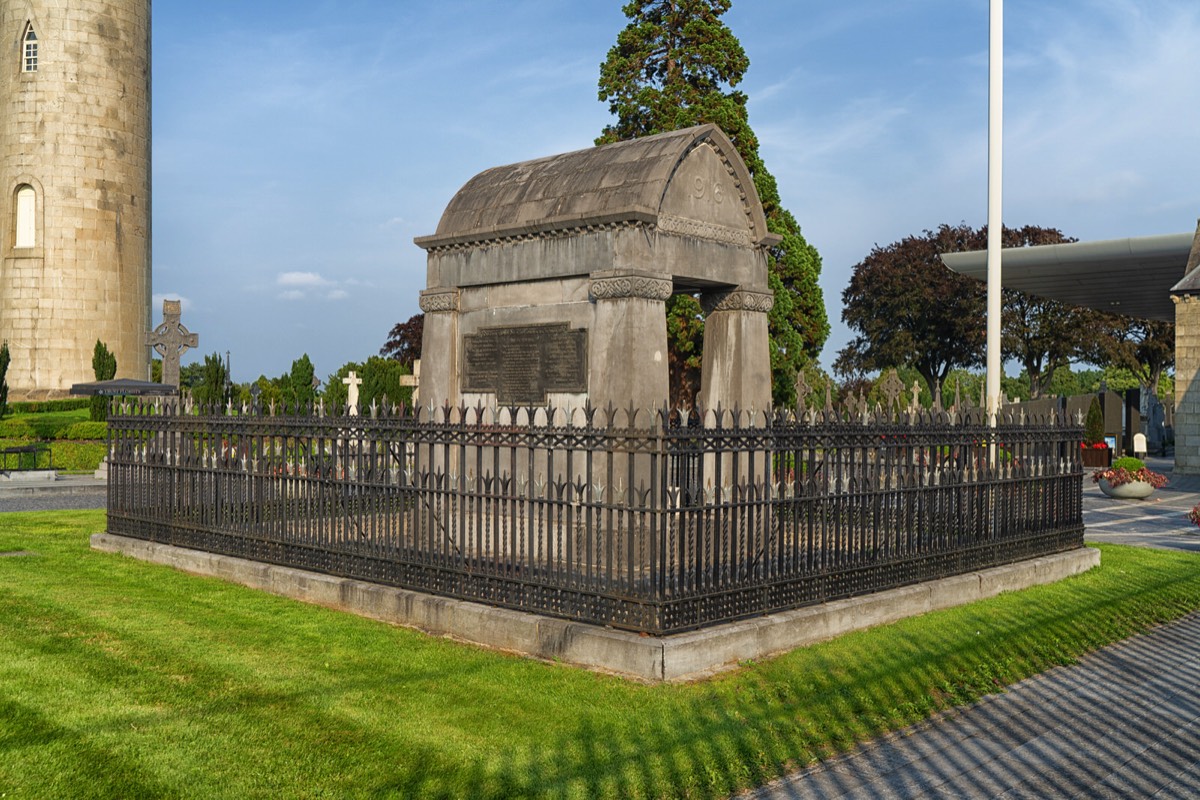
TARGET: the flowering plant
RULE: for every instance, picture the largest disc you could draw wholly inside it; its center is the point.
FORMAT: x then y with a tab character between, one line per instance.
1194	516
1129	470
1094	445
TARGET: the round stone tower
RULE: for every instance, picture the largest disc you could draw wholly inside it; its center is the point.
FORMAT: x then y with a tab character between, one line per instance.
74	189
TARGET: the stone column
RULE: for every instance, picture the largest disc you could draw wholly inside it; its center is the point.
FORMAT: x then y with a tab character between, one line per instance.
1187	384
627	343
737	355
439	348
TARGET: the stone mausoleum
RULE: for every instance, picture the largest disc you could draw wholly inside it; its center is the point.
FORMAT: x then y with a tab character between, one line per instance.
74	189
547	279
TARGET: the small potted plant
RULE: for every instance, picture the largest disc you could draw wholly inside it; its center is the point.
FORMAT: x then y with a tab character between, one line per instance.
1128	479
1095	452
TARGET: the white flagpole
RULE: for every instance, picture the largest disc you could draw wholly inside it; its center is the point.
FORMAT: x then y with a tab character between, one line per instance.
994	219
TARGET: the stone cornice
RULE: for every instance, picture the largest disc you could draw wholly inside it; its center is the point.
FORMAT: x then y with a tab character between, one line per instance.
553	228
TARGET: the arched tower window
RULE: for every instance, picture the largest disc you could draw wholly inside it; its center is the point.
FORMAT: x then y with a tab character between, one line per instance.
26	224
29	50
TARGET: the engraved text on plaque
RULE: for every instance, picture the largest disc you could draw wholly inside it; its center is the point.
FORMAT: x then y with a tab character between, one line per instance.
523	362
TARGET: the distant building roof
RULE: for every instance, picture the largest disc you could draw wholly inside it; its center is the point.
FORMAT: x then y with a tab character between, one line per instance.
1134	276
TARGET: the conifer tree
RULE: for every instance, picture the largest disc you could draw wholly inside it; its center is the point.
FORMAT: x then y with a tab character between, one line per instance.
104	367
675	65
4	361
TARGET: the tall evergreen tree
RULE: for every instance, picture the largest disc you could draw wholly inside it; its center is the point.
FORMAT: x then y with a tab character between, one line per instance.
104	367
299	390
676	65
4	360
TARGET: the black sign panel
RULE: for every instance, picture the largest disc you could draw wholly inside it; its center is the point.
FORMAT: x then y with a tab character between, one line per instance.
520	364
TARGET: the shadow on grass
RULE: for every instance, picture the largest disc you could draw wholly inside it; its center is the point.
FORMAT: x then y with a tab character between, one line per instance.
513	728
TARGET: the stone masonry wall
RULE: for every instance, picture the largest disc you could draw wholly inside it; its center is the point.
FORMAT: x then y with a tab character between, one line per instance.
78	131
1187	384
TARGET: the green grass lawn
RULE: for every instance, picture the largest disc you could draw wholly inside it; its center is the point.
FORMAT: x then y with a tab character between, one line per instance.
120	679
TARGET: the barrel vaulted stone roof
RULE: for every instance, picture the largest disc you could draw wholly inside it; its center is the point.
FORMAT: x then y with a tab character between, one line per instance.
621	182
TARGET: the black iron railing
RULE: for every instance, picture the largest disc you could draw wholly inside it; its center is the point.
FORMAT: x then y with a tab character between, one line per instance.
637	522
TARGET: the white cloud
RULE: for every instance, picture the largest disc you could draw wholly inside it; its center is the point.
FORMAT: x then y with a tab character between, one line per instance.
308	280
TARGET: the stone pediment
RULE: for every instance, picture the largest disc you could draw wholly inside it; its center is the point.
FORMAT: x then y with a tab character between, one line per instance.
690	183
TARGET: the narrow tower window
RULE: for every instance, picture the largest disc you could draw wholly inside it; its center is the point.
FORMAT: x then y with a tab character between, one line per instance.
26	233
30	60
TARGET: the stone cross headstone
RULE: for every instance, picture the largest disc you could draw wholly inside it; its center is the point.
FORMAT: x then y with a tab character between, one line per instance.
414	381
353	382
170	340
892	389
802	392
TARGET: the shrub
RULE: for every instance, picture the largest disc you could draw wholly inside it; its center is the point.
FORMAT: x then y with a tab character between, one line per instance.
84	431
104	365
41	406
1093	429
1129	463
16	429
78	456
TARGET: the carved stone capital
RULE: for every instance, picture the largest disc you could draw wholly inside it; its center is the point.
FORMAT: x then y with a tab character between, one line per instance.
737	300
644	286
434	301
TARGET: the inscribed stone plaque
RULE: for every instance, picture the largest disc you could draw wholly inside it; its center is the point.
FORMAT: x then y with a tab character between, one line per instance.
521	363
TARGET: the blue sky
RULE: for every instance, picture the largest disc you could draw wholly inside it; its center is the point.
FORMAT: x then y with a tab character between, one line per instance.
300	146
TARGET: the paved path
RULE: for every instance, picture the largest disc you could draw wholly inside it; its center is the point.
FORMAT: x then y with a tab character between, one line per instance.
1159	521
68	492
1123	723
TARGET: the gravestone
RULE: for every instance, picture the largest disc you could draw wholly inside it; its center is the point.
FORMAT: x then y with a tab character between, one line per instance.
352	382
171	340
414	381
547	280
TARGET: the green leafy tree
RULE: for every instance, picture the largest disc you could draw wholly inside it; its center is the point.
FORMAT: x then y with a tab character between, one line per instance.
1146	348
1043	335
909	309
104	367
335	394
676	65
268	389
5	358
211	388
191	375
299	392
685	332
380	384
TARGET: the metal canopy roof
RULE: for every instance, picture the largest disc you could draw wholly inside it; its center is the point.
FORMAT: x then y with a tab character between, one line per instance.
123	386
1120	276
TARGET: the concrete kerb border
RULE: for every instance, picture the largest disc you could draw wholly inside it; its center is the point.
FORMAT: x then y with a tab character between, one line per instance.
676	658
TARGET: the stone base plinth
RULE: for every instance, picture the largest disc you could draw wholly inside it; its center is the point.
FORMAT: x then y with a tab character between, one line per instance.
679	657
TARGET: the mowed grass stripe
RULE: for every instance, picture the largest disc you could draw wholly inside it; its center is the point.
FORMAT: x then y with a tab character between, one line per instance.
124	679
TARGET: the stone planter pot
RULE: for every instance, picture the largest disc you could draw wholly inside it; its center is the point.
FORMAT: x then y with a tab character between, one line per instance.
1135	490
1099	457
